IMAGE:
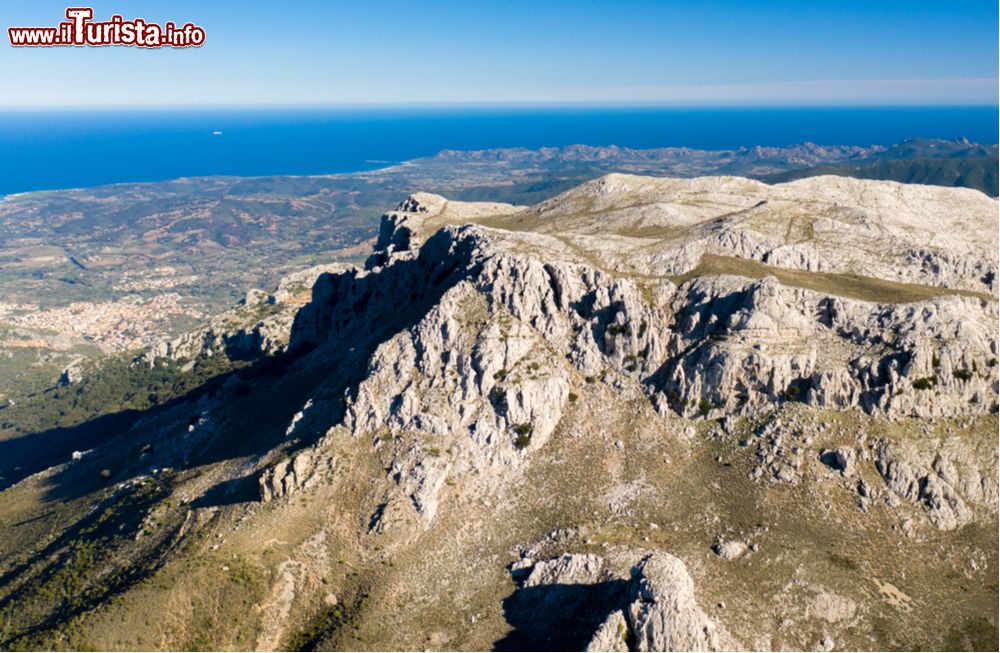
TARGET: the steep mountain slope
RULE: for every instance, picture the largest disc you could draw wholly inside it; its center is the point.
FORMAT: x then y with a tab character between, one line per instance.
644	414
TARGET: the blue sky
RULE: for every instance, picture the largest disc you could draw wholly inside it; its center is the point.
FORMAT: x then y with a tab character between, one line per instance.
328	53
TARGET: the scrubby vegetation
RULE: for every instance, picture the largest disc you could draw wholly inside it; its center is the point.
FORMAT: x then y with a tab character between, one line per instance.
619	329
705	407
114	385
523	433
962	374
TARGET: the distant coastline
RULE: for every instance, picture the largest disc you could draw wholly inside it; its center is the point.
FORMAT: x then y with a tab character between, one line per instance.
58	150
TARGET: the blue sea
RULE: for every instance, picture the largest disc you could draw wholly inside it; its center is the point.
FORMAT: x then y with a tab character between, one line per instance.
72	149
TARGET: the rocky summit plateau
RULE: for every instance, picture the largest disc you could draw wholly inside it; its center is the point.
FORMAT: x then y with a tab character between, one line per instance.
645	414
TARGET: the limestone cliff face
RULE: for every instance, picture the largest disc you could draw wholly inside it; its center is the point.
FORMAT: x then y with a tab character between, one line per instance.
715	343
743	344
483	331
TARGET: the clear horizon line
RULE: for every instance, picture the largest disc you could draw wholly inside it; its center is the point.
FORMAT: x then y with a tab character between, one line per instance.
638	104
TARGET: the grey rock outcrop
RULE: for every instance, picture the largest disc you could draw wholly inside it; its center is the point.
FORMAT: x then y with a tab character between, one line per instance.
566	569
657	611
288	476
612	635
840	459
745	344
729	549
917	484
951	481
663	614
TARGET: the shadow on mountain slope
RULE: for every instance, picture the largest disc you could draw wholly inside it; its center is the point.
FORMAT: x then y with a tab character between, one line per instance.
28	454
349	315
241	417
69	575
558	617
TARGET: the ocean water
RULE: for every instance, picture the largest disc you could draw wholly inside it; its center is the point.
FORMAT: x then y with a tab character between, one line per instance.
72	149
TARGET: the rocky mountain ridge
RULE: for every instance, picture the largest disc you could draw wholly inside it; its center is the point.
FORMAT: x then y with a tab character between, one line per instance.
704	408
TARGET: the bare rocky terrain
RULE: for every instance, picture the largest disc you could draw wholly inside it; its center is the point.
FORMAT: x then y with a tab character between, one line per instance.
644	414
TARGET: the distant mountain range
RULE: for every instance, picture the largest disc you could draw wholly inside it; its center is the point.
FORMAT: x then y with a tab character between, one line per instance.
933	162
957	162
